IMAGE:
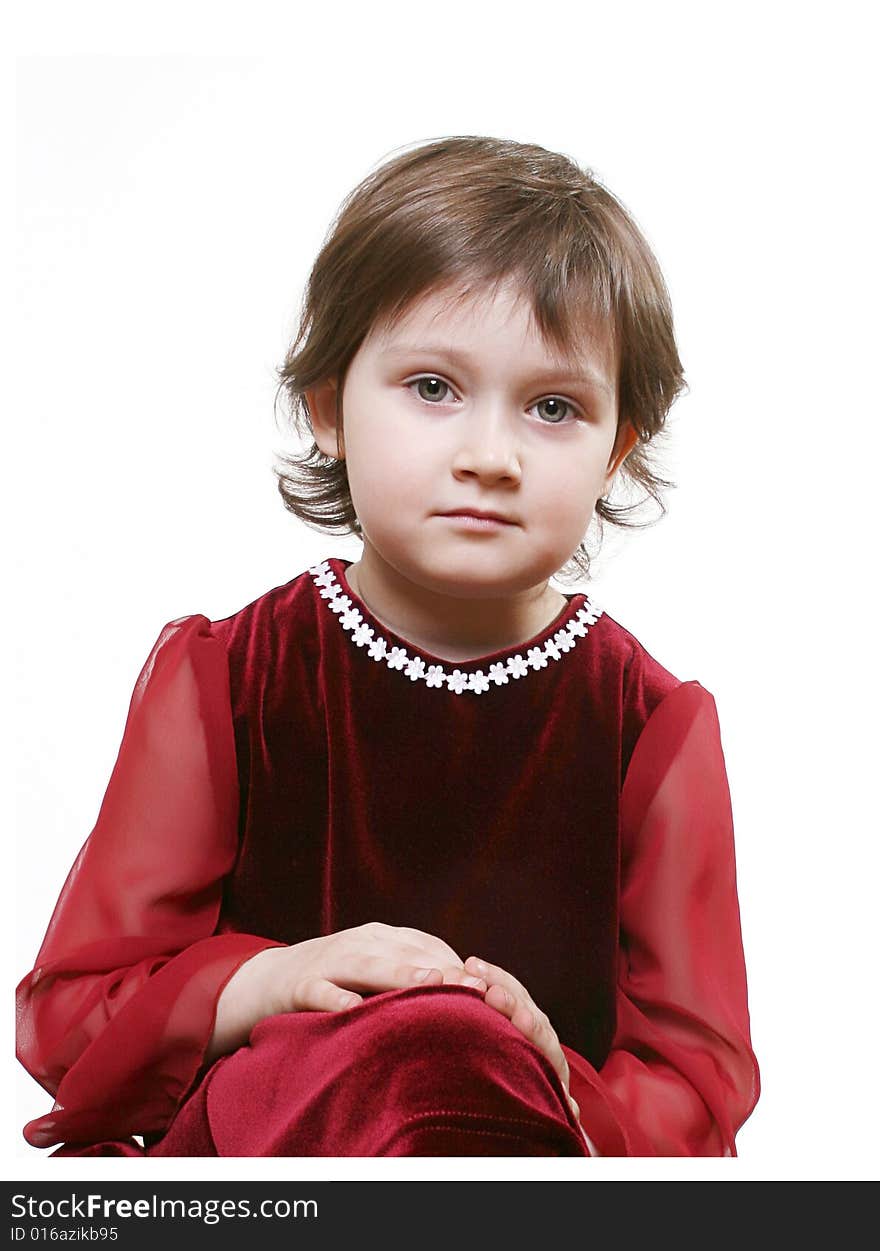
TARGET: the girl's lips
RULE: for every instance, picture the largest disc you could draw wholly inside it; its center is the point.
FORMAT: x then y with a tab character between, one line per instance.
474	522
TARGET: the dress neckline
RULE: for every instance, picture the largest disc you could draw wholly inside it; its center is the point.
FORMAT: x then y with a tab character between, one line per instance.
478	675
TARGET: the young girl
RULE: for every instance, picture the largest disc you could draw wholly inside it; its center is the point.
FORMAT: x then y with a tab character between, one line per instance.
416	855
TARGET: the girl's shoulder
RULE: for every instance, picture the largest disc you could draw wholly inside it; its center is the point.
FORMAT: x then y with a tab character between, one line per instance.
248	641
630	667
643	692
288	609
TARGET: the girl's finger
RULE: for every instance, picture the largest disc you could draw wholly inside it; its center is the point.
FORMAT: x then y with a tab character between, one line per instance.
460	977
520	1014
533	1025
373	974
494	974
317	994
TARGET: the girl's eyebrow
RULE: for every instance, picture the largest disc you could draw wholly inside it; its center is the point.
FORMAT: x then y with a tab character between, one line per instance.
562	373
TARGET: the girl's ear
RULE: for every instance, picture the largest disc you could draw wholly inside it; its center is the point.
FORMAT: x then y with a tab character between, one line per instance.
321	401
626	439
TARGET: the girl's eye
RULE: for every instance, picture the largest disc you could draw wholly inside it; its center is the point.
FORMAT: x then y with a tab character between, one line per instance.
430	388
556	404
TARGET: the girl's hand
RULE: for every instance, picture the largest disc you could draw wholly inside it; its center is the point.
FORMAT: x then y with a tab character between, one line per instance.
330	974
510	997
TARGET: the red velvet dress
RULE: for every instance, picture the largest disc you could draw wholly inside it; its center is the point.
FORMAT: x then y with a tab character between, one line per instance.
560	809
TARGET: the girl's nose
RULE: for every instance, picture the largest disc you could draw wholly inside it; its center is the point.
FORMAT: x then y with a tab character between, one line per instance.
487	446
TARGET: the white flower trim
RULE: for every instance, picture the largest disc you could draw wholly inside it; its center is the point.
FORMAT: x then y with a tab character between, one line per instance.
434	675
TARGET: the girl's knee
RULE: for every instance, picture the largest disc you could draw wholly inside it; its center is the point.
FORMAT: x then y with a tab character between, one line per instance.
421	1061
452	1017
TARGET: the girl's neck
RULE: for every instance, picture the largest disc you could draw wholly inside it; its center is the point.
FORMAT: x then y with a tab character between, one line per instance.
452	628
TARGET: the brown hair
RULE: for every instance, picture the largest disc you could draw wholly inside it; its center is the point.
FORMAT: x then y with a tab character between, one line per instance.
476	210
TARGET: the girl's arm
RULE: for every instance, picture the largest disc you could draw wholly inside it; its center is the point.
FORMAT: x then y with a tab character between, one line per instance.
681	1077
115	1018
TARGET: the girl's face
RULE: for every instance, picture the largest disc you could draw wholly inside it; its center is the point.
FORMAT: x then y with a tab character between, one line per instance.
463	406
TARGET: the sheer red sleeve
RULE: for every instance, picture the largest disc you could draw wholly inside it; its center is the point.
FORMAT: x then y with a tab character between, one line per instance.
681	1077
116	1016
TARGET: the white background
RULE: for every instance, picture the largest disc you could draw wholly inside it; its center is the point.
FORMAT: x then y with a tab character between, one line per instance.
175	180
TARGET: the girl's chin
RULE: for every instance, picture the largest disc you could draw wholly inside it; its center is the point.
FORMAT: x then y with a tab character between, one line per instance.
462	578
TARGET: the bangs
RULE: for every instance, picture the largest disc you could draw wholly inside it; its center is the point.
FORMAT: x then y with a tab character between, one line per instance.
565	283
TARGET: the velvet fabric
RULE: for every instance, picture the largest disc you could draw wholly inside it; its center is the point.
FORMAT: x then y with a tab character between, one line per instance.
422	1071
276	782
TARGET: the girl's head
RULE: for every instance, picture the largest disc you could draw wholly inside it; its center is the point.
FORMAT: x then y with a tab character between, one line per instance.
452	242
